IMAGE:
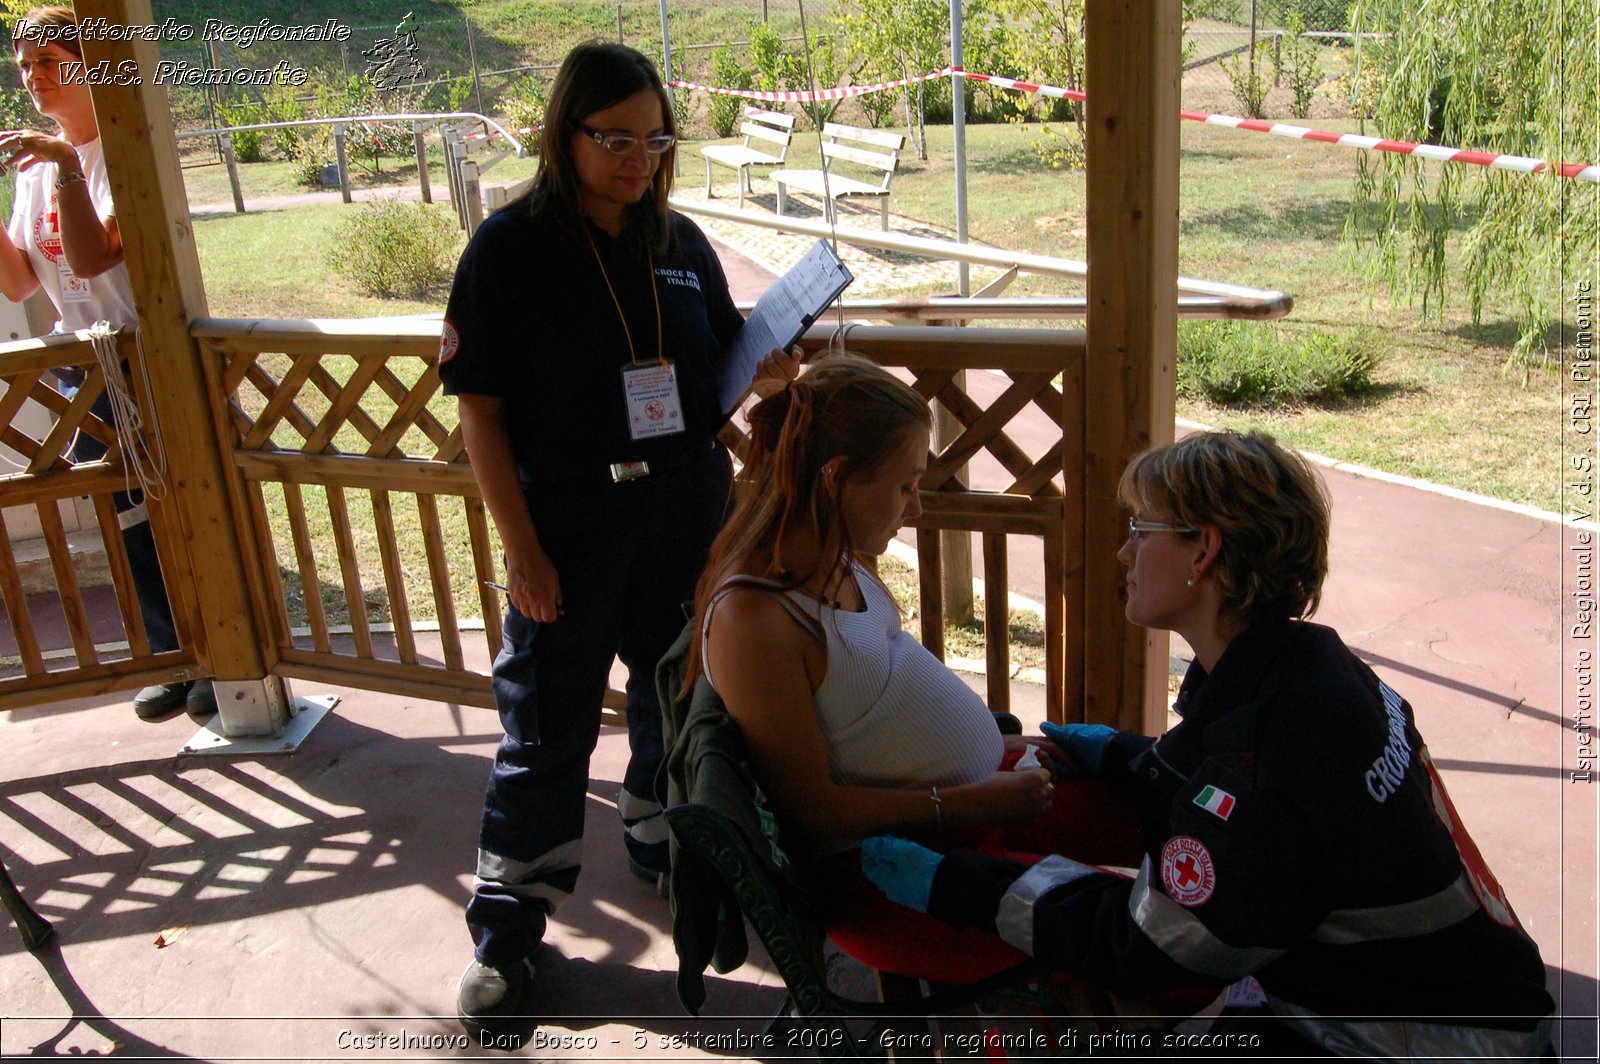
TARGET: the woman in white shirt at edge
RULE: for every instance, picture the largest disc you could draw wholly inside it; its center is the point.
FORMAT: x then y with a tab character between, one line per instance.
64	237
851	724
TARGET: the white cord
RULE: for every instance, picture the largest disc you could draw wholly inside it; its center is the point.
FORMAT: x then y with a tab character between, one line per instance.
828	206
150	466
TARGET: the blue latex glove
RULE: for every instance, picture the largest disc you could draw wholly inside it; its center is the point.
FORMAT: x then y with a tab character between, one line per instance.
901	869
1084	743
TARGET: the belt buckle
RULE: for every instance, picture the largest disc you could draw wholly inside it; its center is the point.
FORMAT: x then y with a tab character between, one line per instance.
623	471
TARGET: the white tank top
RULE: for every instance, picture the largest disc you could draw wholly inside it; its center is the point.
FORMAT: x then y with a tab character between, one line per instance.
891	713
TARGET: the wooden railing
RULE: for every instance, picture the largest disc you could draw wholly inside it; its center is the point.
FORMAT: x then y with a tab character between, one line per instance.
101	653
329	415
349	463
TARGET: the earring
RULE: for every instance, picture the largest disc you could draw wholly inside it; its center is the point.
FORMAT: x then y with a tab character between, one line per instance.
1191	581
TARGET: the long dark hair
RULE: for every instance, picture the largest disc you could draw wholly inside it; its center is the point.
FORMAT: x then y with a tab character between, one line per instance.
593	77
843	406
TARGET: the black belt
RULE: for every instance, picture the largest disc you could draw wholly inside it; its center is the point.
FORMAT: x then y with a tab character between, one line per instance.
621	472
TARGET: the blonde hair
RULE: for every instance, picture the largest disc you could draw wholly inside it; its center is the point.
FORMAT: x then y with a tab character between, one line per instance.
1268	503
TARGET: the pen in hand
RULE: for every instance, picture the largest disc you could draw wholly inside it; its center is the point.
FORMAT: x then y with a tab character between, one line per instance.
560	610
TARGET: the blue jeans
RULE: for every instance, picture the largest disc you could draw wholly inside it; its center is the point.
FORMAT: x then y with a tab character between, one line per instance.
628	556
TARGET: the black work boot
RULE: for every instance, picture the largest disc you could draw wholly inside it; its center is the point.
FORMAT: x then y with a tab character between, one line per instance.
161	701
493	1003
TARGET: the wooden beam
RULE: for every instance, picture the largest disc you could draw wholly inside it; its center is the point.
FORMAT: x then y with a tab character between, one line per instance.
204	523
1132	70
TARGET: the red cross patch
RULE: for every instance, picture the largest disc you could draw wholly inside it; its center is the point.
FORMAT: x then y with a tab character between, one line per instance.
1187	871
449	343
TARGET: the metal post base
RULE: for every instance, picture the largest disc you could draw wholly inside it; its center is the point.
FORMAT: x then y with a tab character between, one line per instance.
308	713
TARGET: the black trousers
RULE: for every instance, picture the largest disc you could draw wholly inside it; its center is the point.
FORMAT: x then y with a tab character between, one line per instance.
627	556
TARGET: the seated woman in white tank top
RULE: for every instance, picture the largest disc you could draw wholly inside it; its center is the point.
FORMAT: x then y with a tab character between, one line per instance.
853	728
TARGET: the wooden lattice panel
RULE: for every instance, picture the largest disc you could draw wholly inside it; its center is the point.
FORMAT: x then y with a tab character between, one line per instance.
59	639
369	411
353	467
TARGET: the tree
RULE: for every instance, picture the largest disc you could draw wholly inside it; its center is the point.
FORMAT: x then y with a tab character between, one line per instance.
1505	76
1045	39
901	39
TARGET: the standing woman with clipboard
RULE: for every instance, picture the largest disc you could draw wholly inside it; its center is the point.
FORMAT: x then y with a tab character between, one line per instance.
584	339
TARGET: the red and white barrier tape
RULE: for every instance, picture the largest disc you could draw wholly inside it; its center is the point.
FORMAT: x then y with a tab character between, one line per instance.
495	133
1519	163
1491	160
811	95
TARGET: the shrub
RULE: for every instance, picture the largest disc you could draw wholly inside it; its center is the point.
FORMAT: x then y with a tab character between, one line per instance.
1237	363
726	72
683	100
284	106
310	153
397	250
877	106
249	146
1060	149
1298	66
459	92
523	108
16	110
1247	75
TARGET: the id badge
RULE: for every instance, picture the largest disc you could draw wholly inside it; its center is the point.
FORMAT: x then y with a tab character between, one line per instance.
653	406
74	289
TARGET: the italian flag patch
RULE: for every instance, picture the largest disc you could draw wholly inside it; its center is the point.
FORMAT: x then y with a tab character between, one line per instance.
1215	801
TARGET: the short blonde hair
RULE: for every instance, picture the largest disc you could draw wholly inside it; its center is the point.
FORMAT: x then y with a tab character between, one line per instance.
1269	504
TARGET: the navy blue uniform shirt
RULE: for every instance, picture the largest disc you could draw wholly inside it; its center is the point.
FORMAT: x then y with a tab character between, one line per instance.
530	320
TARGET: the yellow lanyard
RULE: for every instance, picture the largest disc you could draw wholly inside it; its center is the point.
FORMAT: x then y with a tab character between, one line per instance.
650	264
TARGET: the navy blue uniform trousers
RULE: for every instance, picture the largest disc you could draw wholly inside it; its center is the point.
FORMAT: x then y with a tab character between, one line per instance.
627	556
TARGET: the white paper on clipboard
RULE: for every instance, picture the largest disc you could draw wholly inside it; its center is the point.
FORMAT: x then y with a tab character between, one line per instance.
784	311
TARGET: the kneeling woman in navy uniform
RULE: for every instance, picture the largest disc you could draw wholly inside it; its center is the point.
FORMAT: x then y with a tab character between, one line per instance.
1293	825
583	338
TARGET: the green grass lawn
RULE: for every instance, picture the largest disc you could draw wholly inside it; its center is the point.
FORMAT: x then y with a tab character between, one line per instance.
1255	209
273	264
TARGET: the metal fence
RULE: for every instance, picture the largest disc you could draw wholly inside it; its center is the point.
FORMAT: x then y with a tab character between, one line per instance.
475	63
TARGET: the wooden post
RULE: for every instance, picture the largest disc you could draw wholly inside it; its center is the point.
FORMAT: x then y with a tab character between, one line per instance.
227	142
344	162
452	172
212	533
422	162
472	53
471	195
1133	59
955	545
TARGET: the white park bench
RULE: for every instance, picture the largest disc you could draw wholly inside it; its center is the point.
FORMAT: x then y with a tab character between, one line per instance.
769	127
872	152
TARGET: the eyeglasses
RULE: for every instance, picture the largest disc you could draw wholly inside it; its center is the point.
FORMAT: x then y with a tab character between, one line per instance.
1137	528
623	143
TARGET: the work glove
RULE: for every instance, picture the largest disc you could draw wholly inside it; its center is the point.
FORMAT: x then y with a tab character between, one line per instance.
901	869
1085	744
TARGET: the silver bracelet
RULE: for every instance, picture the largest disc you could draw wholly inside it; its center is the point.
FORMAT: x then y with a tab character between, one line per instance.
71	177
938	809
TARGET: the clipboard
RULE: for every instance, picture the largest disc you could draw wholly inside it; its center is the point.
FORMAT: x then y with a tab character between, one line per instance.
784	312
